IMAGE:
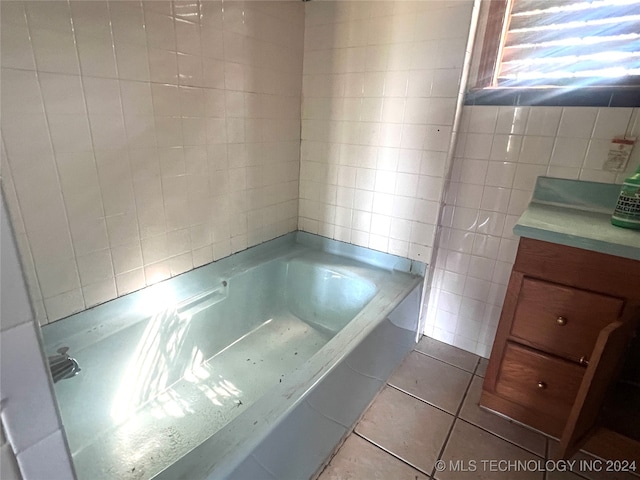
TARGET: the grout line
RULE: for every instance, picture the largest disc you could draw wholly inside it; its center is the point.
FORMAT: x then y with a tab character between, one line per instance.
331	456
54	159
455	418
477	365
390	453
547	448
382	381
447	363
498	436
252	455
421	399
480	427
471	423
350	431
322	414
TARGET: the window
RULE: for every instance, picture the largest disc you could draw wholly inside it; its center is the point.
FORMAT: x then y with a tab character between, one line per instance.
567	44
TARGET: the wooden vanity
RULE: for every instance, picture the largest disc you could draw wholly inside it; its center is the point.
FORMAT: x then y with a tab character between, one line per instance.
568	316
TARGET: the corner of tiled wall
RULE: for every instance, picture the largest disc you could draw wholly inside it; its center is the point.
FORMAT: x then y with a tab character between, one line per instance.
32	443
143	139
164	135
9	469
379	94
499	154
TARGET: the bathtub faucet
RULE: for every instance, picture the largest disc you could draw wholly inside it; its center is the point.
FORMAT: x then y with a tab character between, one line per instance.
63	366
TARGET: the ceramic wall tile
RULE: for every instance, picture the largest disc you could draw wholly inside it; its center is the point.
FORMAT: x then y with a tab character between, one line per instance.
379	90
485	199
29	414
138	103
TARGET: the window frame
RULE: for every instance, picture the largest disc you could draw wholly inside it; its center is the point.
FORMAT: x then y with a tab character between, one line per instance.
482	92
492	41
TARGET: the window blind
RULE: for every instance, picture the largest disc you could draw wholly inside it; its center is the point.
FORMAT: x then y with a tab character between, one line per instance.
570	42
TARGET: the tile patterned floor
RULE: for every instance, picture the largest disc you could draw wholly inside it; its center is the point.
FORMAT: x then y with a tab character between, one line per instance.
427	414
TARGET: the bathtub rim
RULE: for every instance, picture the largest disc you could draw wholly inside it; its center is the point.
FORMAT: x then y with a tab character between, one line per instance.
398	282
129	305
199	463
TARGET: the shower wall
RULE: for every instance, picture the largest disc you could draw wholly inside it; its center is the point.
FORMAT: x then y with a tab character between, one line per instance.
500	151
143	139
379	94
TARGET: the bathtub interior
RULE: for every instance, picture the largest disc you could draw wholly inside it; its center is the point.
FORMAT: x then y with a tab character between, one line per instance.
325	298
167	368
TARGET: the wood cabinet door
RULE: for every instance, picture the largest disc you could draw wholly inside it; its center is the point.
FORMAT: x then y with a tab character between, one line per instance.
605	360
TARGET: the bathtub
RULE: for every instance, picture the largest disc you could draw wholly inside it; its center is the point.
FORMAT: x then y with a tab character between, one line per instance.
255	366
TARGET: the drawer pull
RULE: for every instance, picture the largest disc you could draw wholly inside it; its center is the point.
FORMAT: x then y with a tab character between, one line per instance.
542	385
562	321
583	361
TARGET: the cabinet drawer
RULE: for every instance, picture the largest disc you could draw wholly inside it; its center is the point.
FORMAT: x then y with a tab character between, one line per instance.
540	382
562	320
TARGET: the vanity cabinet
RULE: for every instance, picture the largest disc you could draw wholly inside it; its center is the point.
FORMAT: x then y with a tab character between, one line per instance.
568	316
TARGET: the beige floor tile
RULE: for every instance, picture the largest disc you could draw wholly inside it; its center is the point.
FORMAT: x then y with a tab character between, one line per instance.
597	470
407	427
591	468
521	436
359	459
482	367
448	353
563	476
598	474
431	380
468	442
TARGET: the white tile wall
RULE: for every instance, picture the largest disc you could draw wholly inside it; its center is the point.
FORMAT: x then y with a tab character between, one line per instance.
499	153
379	93
32	445
143	139
8	465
